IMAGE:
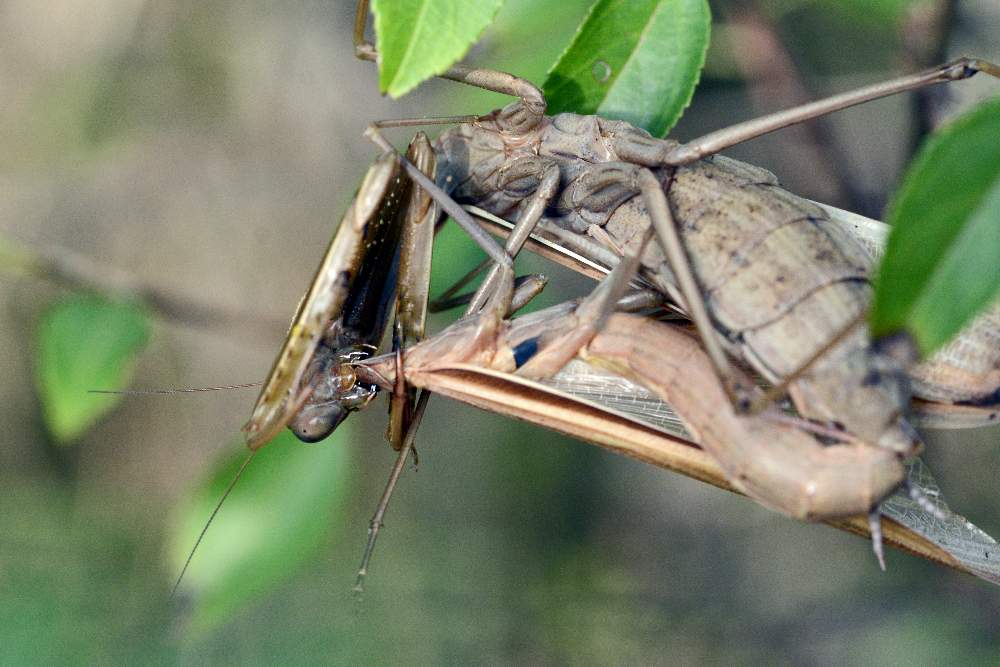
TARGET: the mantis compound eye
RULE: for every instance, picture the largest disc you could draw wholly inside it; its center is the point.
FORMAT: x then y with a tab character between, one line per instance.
338	382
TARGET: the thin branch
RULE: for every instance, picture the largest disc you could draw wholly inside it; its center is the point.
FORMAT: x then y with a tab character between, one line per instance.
75	271
925	33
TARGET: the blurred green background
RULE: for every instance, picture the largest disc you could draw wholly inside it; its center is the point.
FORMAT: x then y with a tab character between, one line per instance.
206	150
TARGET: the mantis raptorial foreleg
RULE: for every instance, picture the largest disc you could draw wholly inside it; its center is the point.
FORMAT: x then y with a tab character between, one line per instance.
543	178
416	245
341	318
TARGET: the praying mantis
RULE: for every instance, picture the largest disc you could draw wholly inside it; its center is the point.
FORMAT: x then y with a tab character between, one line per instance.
518	159
615	395
956	388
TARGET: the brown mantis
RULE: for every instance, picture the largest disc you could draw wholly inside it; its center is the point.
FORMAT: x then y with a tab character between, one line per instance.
589	171
956	388
762	456
959	385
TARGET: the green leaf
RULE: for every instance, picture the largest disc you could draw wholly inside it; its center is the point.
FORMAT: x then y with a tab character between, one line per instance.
85	342
281	511
418	39
633	60
942	261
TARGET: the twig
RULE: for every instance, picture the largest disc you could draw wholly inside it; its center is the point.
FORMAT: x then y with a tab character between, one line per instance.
925	33
72	270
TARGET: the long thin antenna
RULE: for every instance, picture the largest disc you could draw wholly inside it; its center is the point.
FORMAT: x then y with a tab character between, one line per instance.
191	390
211	518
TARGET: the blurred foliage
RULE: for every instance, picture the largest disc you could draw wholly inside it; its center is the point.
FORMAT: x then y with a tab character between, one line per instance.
141	88
633	61
86	342
942	261
79	583
17	259
283	509
80	112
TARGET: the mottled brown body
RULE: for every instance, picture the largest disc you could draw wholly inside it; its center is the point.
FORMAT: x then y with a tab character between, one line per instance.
779	279
778	464
967	369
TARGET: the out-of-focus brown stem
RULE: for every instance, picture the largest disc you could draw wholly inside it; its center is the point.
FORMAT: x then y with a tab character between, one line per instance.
75	271
773	82
925	32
